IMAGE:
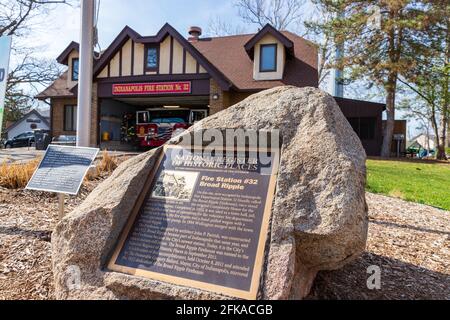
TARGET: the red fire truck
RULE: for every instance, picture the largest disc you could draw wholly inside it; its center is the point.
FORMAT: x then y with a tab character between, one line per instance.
157	125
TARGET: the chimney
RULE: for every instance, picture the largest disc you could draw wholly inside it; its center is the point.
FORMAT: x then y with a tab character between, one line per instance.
195	33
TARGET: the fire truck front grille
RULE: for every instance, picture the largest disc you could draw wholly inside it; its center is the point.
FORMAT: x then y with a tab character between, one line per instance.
164	133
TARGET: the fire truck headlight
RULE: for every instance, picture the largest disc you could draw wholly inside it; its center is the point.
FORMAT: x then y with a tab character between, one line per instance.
177	131
151	132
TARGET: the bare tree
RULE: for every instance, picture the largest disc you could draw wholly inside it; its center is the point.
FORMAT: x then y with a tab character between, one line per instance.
281	14
24	81
323	41
422	108
18	19
217	27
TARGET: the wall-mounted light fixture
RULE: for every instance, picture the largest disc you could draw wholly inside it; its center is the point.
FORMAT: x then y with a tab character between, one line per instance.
215	96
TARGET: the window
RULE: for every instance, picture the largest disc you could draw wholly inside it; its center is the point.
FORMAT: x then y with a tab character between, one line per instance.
197	115
268	58
20	136
75	68
70	118
151	59
142	117
364	127
25	135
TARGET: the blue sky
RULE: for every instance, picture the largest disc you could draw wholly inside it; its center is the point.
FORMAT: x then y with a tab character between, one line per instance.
144	16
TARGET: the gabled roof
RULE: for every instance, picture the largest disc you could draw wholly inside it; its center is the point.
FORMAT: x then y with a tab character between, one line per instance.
126	34
226	59
421	140
230	57
64	56
166	30
268	29
57	89
32	112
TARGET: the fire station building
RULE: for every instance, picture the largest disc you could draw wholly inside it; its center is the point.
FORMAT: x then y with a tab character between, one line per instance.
171	81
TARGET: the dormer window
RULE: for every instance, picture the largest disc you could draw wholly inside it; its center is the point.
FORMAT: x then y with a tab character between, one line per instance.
268	58
75	68
152	59
269	50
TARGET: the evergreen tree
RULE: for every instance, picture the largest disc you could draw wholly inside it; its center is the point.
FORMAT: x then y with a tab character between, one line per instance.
381	39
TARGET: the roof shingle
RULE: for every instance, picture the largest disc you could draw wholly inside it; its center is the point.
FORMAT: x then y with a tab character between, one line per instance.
229	56
57	89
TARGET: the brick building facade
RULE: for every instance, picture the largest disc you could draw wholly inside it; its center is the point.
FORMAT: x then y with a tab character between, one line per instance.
169	72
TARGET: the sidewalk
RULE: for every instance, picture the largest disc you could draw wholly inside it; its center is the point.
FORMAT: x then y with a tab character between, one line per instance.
19	154
27	154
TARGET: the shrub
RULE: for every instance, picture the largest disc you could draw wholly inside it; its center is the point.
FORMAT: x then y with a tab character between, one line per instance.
17	175
108	164
105	166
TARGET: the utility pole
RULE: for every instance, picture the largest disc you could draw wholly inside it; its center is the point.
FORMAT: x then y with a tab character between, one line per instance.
337	87
85	73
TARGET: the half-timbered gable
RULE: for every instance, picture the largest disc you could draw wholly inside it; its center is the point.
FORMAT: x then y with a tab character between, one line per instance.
145	87
167	53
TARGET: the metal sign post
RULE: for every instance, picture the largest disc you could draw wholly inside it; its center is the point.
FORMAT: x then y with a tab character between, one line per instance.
61	198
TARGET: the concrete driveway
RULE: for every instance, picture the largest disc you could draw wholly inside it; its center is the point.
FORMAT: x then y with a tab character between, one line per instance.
19	154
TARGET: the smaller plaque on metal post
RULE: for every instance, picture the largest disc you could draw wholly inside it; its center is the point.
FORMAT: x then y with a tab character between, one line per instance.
62	170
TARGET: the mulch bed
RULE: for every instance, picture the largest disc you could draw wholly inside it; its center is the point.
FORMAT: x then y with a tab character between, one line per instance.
27	219
409	242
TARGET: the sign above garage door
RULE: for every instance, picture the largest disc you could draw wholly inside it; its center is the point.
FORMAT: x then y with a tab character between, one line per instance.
151	88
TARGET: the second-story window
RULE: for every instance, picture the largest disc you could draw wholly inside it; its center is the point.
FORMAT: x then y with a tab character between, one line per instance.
75	68
268	58
151	63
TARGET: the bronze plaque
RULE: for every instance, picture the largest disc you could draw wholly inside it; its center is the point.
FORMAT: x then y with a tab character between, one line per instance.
202	221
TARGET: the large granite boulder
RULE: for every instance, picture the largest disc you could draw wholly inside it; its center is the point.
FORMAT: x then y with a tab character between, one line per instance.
319	215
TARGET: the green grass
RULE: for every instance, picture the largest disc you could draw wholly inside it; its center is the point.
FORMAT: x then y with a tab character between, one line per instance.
417	182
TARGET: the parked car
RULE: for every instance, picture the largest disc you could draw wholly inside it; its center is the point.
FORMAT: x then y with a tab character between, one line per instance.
65	140
25	139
